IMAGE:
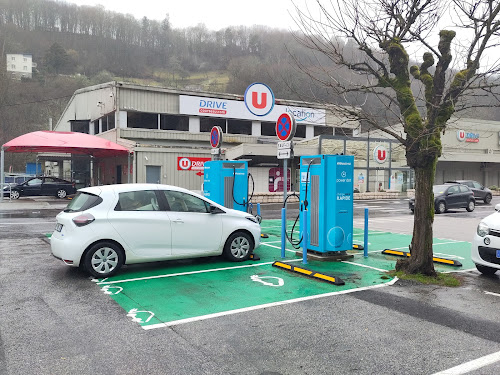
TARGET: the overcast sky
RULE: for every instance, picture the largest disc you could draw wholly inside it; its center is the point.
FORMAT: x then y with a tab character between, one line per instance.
215	14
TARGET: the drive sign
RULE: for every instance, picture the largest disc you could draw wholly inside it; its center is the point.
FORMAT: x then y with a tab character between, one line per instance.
259	99
188	163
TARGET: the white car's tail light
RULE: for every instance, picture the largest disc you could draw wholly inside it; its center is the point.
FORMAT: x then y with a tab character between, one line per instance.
82	220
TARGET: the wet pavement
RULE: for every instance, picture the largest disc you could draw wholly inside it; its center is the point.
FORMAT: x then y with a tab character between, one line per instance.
55	320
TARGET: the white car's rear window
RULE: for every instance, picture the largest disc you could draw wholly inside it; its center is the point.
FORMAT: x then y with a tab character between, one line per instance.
83	201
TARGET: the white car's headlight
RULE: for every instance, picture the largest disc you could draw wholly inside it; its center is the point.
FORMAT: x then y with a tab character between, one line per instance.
252	219
482	229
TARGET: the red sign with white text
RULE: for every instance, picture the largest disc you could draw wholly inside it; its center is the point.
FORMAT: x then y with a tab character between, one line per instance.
188	163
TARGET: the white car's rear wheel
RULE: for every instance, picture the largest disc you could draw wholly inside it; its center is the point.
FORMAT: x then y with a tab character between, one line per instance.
239	247
103	259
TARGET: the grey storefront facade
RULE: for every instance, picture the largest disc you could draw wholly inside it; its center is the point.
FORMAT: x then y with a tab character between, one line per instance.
169	134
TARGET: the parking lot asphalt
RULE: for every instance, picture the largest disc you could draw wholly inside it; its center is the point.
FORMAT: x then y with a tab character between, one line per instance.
57	320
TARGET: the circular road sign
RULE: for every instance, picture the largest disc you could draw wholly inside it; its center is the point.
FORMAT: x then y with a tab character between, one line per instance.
285	127
259	99
216	136
380	154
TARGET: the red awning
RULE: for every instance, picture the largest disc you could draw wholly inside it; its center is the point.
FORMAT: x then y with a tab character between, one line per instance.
65	142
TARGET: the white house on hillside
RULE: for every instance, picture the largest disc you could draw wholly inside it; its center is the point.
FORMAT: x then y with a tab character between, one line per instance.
20	65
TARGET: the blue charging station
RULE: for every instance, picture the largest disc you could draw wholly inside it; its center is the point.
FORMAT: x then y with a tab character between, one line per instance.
328	180
226	183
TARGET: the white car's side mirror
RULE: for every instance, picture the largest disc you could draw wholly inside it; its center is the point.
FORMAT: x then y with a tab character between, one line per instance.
497	207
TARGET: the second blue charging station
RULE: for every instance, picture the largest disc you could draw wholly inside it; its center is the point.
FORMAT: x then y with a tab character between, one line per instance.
326	182
226	183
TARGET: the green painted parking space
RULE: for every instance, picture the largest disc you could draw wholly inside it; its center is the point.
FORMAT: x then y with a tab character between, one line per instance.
176	292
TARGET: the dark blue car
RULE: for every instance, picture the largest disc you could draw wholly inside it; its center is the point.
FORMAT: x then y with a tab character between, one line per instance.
41	186
449	196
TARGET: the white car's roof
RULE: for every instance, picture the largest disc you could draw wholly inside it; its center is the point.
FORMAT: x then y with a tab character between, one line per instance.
120	188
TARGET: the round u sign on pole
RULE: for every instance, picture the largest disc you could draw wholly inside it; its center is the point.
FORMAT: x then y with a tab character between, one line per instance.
216	137
380	154
285	127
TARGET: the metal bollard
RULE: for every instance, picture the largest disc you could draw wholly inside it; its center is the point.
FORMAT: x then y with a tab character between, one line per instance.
304	237
283	231
365	250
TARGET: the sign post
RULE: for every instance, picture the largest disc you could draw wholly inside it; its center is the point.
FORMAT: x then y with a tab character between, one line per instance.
285	130
215	142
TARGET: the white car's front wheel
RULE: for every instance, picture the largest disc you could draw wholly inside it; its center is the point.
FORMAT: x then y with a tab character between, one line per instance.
485	270
239	247
103	259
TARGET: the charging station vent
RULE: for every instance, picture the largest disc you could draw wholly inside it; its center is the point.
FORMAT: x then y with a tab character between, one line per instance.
228	192
314	210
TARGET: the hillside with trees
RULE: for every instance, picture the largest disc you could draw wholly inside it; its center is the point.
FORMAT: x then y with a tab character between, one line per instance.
77	46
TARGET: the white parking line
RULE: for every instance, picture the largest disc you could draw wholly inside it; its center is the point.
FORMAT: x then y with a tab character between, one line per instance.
181	274
475	364
492	294
190	272
364	265
258	307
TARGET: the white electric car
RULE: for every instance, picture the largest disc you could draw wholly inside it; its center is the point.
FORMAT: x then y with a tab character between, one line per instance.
105	227
485	250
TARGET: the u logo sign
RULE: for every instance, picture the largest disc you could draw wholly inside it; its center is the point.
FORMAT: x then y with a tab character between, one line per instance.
263	100
259	99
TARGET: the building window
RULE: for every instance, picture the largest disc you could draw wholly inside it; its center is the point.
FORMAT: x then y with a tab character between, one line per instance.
25	68
13	58
13	66
300	132
207	123
239	127
110	119
174	122
108	123
322	130
80	126
25	59
268	128
141	120
343	132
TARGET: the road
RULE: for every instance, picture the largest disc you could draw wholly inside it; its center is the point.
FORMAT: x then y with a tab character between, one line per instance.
54	320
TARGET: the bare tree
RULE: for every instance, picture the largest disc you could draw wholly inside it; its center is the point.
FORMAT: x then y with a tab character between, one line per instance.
384	31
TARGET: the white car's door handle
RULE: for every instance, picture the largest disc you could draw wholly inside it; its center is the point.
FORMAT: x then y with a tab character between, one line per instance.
178	221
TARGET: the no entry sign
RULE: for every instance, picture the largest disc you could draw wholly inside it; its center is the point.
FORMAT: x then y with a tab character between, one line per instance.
285	127
216	136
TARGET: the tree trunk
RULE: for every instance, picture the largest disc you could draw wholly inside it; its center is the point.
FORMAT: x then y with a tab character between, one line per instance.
420	260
